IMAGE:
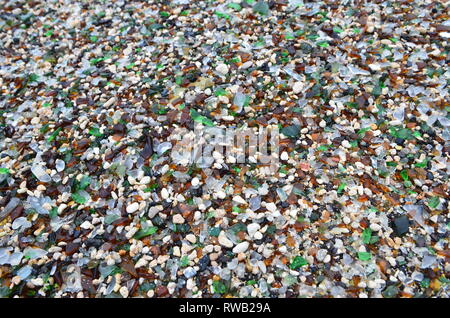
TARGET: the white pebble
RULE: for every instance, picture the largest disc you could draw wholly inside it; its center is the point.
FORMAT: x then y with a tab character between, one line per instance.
195	182
222	68
178	219
86	225
253	228
224	241
124	291
133	207
145	180
239	200
271	207
164	194
241	247
375	227
258	235
191	238
346	144
297	88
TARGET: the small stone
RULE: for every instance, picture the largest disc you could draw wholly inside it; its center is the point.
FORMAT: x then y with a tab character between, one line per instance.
86	225
109	102
145	180
222	68
321	254
346	144
164	194
241	247
375	227
195	182
258	235
239	199
133	207
224	241
271	207
124	291
60	165
375	67
189	272
191	238
178	219
297	88
253	228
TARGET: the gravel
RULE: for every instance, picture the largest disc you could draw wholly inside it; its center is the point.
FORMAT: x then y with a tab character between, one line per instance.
95	200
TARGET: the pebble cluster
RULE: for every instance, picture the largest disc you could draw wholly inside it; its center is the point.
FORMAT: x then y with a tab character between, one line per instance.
92	204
